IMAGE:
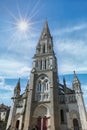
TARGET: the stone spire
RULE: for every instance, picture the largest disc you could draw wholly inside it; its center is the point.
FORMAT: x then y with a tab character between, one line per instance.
76	80
17	89
76	83
45	58
45	44
45	32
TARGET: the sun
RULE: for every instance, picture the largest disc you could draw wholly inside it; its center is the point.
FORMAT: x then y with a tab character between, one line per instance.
23	26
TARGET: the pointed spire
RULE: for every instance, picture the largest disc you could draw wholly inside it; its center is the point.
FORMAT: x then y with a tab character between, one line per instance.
46	26
76	80
45	43
27	87
46	32
64	83
18	85
76	84
17	89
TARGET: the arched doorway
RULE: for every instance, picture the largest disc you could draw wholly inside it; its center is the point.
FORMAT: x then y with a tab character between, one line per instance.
62	115
42	123
41	115
45	123
17	124
75	124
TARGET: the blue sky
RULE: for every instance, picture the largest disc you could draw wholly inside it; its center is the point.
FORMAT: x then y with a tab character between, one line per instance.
68	25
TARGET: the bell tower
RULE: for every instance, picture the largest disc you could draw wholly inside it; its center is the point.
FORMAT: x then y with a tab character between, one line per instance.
44	59
42	98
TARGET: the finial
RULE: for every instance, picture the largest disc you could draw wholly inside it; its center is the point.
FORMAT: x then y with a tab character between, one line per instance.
64	81
75	80
18	84
19	79
74	72
46	25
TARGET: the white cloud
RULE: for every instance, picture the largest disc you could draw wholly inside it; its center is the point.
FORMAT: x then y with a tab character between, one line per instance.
71	52
70	29
71	49
16	61
72	55
1	81
13	68
6	92
24	71
6	98
4	86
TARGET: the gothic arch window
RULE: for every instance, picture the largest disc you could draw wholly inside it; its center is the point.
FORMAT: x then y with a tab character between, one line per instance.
38	50
41	65
39	87
75	124
42	89
47	86
36	63
49	48
44	48
45	64
62	115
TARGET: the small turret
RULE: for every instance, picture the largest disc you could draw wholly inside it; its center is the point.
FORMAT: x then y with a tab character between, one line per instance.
27	88
17	89
76	83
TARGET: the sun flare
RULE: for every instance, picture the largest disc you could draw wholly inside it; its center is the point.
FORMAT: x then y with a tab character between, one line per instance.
23	26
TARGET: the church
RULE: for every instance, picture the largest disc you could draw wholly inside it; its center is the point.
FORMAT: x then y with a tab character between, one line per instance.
47	104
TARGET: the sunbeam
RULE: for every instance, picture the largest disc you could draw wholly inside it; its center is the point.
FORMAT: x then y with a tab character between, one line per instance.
23	26
22	21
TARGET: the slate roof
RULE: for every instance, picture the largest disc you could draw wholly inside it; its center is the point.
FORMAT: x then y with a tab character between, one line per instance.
2	106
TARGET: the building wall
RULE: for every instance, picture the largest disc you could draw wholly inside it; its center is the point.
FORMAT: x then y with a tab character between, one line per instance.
4	113
73	109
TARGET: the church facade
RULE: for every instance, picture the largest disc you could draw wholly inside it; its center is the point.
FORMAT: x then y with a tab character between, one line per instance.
47	104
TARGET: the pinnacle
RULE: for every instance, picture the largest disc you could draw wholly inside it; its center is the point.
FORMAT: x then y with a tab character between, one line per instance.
46	25
75	80
18	84
46	31
64	81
